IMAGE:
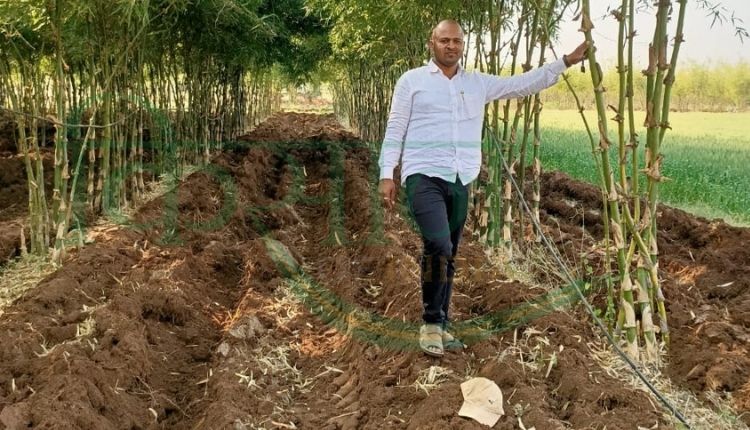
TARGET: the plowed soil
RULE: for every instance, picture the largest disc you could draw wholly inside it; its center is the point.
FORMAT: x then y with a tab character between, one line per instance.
705	266
182	319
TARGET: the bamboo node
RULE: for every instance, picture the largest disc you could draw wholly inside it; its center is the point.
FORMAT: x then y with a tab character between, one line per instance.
664	328
617	234
627	283
537	167
641	262
603	143
654	248
621	192
586	24
651	70
653	172
646	220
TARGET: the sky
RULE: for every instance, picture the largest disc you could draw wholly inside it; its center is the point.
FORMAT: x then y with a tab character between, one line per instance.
703	44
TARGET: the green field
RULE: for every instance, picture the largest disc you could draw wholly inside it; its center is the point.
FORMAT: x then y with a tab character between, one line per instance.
706	158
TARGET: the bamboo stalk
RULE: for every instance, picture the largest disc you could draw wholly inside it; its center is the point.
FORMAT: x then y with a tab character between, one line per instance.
508	141
531	40
537	162
608	188
59	193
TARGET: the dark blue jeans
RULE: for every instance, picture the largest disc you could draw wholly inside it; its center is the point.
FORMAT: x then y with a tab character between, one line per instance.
439	209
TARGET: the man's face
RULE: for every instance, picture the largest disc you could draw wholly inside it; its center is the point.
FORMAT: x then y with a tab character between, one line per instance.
447	44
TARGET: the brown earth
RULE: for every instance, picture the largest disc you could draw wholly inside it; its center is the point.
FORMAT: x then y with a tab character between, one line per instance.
705	265
296	127
182	320
7	133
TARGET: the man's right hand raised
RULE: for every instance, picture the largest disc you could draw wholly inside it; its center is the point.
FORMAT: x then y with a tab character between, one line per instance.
387	189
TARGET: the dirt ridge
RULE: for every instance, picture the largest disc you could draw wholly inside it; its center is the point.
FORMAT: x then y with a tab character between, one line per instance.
182	320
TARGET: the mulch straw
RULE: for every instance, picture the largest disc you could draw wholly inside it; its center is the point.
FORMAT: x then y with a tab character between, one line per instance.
21	275
698	414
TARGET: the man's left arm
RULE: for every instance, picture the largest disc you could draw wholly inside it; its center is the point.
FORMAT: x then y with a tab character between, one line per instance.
533	81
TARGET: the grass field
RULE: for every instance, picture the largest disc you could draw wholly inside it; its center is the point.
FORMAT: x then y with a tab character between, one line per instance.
706	157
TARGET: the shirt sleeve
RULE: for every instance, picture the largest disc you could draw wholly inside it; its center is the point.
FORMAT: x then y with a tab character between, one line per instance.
525	84
398	122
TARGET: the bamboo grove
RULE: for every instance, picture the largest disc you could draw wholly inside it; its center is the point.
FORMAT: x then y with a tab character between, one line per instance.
630	185
136	91
373	43
510	37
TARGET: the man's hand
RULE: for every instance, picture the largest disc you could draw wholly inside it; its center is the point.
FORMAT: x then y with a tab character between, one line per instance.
578	55
387	189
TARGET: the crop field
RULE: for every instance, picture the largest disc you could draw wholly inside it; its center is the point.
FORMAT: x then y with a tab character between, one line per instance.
706	158
209	330
199	228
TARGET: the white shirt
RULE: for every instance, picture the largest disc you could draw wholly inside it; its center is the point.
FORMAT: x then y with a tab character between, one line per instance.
435	124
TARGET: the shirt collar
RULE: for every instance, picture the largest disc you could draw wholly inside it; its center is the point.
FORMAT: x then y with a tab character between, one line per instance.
433	68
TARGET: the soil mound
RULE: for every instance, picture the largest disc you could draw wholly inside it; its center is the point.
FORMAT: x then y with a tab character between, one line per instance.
294	127
705	265
184	319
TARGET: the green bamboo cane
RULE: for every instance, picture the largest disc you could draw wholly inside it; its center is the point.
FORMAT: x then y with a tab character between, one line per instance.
507	185
669	83
531	41
657	67
20	99
537	164
37	107
635	184
508	141
626	95
91	167
492	204
622	71
59	193
609	188
605	209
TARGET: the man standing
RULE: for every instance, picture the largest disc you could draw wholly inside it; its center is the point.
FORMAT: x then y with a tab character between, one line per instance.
435	129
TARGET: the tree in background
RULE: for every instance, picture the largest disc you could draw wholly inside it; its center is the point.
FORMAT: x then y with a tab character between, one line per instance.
166	81
707	88
374	43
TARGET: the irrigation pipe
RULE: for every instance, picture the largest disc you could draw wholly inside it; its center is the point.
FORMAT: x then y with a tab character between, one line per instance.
585	302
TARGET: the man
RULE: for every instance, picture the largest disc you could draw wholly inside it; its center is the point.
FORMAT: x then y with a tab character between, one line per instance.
435	128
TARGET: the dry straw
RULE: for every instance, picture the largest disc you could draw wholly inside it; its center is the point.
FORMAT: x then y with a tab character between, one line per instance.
718	416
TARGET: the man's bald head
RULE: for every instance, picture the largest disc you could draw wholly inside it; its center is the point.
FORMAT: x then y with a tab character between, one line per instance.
446	25
447	44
